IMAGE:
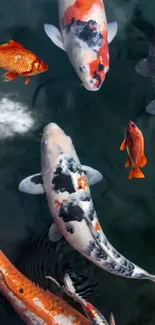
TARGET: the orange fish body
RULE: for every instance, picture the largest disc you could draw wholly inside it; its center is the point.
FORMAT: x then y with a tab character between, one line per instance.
33	304
19	61
134	143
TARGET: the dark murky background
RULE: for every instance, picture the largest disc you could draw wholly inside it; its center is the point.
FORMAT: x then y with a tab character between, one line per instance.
96	122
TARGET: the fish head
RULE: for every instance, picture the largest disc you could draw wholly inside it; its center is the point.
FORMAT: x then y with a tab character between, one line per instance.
55	143
90	66
39	66
132	130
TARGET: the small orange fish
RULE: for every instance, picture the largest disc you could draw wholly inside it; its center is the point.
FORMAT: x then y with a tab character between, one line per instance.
34	304
134	143
19	61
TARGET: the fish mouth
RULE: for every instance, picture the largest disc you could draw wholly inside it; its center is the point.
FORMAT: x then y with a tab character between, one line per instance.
90	89
129	128
51	127
129	123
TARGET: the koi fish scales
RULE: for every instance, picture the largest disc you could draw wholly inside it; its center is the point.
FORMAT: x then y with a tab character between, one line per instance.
33	304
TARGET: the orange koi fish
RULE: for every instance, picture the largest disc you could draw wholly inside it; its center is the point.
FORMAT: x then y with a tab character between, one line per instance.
84	35
34	304
19	62
94	316
134	143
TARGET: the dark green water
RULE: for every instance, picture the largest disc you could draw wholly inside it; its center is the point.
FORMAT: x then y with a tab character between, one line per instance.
95	122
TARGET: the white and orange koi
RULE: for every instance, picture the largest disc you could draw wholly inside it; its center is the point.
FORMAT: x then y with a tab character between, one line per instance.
94	315
34	304
66	184
84	34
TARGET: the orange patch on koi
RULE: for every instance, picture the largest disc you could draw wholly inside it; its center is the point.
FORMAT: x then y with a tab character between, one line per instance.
103	56
57	203
79	9
97	226
82	183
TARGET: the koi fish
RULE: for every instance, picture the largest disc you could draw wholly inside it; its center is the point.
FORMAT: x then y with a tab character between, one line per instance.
93	315
34	304
146	68
84	35
19	62
66	184
134	143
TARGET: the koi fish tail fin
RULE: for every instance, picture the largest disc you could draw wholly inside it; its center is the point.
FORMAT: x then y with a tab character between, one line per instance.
135	173
112	320
150	277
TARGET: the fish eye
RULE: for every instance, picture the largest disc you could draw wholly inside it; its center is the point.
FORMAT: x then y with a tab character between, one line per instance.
44	143
133	125
82	68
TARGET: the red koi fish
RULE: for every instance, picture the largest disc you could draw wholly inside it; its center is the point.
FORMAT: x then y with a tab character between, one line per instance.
19	62
94	316
134	143
33	304
84	35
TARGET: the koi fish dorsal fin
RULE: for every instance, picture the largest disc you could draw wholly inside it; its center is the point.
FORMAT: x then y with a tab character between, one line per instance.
11	44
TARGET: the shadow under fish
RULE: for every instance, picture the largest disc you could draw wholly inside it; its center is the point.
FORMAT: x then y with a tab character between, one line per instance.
40	257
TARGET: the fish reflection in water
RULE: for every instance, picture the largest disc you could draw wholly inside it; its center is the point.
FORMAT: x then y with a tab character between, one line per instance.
41	257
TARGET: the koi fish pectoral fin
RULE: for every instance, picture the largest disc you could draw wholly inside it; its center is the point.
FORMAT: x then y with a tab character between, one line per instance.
8	76
54	233
60	289
27	80
142	68
32	185
143	161
54	34
112	31
128	162
123	145
93	176
150	108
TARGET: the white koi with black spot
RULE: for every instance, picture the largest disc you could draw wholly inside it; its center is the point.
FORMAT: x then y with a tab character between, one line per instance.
66	184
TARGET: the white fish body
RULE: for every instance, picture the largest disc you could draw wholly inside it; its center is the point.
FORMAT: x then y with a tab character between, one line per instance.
65	183
84	35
